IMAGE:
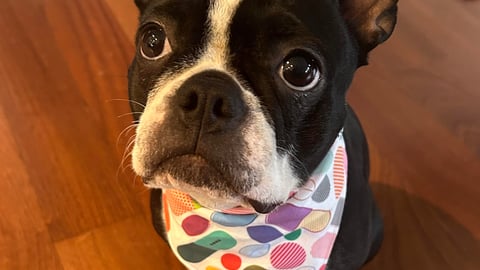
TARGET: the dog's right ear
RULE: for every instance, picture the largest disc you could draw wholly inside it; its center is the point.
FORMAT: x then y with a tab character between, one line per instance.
371	21
141	4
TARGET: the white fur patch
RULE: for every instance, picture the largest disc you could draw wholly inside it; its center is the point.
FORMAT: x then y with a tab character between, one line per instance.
274	175
220	18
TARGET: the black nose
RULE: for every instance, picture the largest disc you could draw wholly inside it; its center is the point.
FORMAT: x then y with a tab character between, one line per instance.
211	100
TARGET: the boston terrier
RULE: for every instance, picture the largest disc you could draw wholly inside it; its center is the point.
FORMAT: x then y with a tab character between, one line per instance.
254	157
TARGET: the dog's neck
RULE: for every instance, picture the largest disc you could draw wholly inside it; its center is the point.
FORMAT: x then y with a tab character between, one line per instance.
301	232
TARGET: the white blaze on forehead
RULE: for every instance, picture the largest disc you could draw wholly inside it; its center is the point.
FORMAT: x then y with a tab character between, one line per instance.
220	17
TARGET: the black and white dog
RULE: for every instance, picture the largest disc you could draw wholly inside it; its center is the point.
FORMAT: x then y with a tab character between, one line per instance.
243	100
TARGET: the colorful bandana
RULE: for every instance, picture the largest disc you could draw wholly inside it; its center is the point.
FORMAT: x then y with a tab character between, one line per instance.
296	235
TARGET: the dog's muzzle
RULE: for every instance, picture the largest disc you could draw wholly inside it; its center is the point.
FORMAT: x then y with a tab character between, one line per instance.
200	142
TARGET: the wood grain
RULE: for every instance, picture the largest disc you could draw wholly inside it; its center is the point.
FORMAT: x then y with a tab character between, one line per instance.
66	202
101	248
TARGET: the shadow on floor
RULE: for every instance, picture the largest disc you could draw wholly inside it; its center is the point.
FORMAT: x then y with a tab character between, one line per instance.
419	235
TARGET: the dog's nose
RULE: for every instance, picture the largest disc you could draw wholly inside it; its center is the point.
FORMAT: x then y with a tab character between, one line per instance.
211	99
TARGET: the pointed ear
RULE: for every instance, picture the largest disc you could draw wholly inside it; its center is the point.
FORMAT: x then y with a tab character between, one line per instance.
371	21
141	4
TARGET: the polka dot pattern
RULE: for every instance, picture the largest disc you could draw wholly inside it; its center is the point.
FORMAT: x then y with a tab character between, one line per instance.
323	246
195	225
231	261
255	251
254	267
297	235
316	221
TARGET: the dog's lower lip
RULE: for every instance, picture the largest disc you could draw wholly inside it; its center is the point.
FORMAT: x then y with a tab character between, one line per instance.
263	208
192	169
167	159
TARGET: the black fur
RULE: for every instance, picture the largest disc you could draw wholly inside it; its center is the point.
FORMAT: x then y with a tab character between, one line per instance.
263	33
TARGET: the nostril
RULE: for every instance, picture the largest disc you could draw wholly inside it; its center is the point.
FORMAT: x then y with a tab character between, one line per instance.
219	108
190	102
210	101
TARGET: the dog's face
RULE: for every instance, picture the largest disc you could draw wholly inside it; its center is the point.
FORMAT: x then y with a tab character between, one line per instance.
244	97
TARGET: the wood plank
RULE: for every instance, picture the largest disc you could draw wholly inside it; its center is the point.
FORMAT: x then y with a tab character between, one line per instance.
124	245
24	238
434	146
126	14
64	130
419	235
418	101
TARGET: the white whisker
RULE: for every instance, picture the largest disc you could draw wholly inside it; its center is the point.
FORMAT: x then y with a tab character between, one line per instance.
291	153
127	114
126	154
128	100
126	130
144	191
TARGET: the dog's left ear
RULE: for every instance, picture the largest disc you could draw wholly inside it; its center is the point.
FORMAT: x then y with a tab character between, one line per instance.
141	4
372	22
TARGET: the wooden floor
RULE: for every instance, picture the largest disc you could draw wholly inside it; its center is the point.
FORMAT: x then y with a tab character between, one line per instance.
66	202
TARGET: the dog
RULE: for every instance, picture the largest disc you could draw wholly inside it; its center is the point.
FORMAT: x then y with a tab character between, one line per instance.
242	118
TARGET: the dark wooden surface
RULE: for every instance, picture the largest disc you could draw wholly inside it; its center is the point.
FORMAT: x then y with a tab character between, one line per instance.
66	202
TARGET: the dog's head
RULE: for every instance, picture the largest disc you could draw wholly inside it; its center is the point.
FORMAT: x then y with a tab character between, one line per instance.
243	98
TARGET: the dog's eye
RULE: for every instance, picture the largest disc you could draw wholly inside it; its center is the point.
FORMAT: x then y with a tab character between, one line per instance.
300	71
154	43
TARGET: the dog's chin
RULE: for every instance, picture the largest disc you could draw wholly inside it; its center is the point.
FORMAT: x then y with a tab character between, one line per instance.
209	198
207	185
215	199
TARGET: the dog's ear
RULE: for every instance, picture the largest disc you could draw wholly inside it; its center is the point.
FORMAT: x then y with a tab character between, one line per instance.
141	4
372	22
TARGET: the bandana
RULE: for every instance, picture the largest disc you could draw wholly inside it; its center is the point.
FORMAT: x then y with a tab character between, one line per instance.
298	234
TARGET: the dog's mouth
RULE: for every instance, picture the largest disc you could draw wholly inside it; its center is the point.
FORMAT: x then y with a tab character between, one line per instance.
199	172
191	173
262	208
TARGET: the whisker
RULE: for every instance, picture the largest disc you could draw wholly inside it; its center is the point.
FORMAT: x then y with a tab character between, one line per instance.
145	190
131	140
119	170
126	165
130	144
123	166
129	166
291	153
124	131
127	153
128	100
122	169
130	113
130	127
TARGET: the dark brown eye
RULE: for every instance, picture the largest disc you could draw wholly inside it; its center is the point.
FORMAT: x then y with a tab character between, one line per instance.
154	43
300	71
